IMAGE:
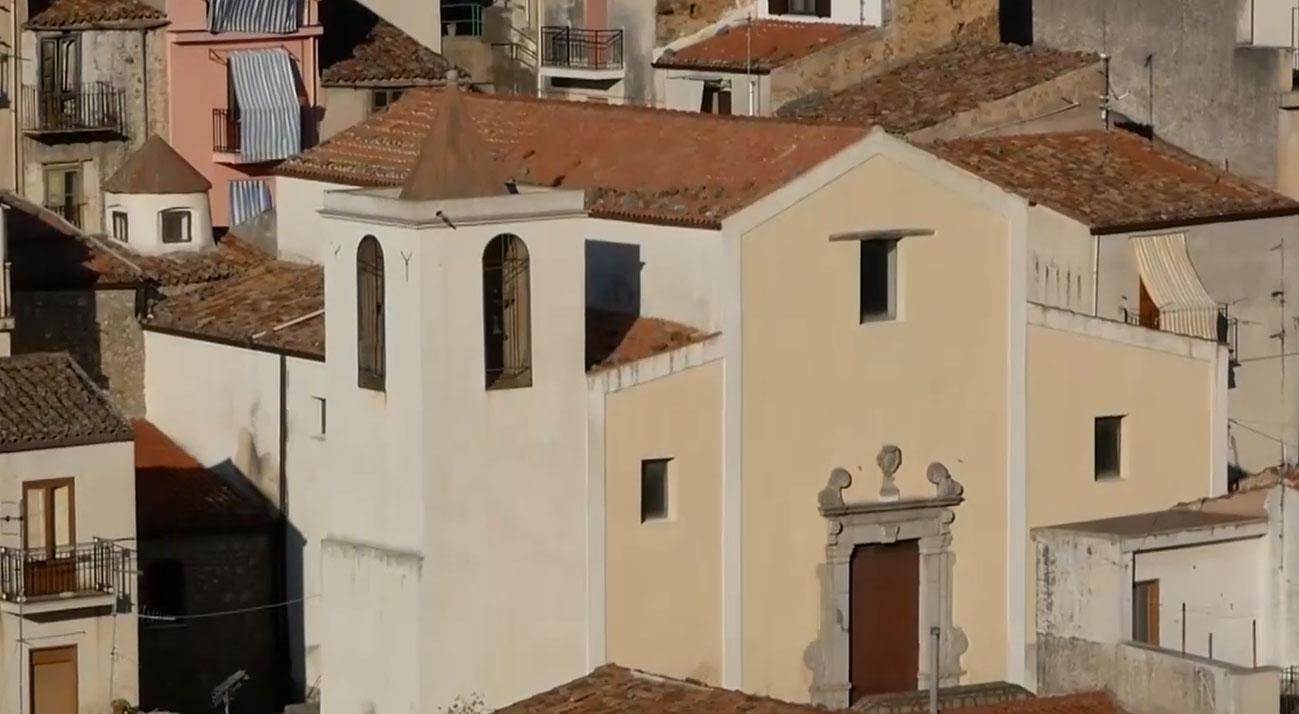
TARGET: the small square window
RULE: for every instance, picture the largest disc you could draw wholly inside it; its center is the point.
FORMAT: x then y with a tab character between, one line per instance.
176	226
879	280
653	489
383	98
120	226
802	7
1109	447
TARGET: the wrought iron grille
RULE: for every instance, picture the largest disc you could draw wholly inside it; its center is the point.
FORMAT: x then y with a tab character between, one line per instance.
507	338
370	324
1290	690
581	49
82	568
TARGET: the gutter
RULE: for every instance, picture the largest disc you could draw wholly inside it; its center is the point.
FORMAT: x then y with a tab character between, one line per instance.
1196	221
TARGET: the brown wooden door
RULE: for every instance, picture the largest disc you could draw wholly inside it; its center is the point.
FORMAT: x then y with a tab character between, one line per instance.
1147	310
53	676
884	650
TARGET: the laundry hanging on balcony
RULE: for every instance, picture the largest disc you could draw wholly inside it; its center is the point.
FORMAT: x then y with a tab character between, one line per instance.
266	91
1185	307
249	198
260	16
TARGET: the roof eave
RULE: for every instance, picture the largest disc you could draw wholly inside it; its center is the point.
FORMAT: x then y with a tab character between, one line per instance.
247	344
727	69
46	444
107	26
1186	222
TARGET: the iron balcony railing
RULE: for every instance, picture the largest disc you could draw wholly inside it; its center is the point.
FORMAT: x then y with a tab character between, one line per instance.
95	568
581	49
1290	690
68	211
94	107
1226	324
462	19
226	130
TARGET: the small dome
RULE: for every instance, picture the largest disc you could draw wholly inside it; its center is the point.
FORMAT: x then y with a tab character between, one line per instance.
156	168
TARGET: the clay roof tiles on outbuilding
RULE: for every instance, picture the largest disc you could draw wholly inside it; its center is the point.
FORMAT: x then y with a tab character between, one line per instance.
156	168
758	46
938	85
47	401
611	689
1114	181
636	164
97	15
389	57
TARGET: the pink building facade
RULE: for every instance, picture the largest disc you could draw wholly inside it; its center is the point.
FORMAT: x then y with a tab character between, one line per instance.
244	90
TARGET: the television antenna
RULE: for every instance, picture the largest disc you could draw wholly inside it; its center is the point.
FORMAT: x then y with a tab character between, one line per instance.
225	691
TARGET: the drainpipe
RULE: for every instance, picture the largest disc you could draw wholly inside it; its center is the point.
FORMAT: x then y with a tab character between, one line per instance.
280	549
144	75
16	94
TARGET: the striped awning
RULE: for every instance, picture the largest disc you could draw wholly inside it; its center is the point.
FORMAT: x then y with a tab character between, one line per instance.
263	16
249	198
266	90
1185	307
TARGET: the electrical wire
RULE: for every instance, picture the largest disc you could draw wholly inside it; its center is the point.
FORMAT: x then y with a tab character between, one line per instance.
224	613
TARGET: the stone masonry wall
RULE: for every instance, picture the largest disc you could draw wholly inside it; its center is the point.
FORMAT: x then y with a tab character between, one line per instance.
98	328
917	26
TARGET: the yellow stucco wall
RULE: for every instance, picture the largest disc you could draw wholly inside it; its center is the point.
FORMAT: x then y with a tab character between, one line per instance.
821	390
1167	402
664	577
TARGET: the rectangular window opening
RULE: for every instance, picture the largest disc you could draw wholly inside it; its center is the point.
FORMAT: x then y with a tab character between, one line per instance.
879	280
653	490
176	226
121	226
324	423
383	98
1145	612
1108	447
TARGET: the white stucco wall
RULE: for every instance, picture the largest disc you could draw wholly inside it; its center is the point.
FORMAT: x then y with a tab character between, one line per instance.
299	229
144	220
1222	586
850	12
487	486
237	431
683	90
659	271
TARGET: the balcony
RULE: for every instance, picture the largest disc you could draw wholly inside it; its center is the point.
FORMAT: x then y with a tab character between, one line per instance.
70	212
578	53
96	570
1225	324
227	135
92	108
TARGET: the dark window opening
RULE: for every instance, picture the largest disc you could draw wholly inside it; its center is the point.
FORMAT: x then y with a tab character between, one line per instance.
1109	447
716	99
507	313
177	226
878	280
653	489
121	226
370	337
164	588
811	8
383	98
1145	612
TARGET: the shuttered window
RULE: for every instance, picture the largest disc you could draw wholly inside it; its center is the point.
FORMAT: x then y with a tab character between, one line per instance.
370	358
507	314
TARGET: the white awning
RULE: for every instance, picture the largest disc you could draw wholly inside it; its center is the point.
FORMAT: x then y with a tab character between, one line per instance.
1185	307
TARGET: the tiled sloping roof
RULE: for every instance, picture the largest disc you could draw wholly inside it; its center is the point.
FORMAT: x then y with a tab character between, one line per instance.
611	689
613	339
939	85
97	15
46	401
48	253
1112	180
247	309
174	494
155	167
759	46
636	164
389	57
453	161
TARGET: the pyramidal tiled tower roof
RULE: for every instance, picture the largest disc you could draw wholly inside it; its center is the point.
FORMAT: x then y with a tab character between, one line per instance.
155	167
453	160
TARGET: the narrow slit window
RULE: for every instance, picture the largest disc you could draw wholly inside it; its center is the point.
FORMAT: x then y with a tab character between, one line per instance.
879	282
654	490
370	337
507	314
1145	612
1108	447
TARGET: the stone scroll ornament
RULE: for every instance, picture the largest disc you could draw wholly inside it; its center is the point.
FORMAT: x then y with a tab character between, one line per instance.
889	460
947	487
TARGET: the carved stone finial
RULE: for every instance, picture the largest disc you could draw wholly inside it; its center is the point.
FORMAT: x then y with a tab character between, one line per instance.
942	480
889	460
832	495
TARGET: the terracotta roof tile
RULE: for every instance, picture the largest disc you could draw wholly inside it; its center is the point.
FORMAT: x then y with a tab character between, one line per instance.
939	85
97	15
389	57
453	162
155	167
1113	181
759	47
636	164
611	689
174	494
48	253
613	338
246	310
47	401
